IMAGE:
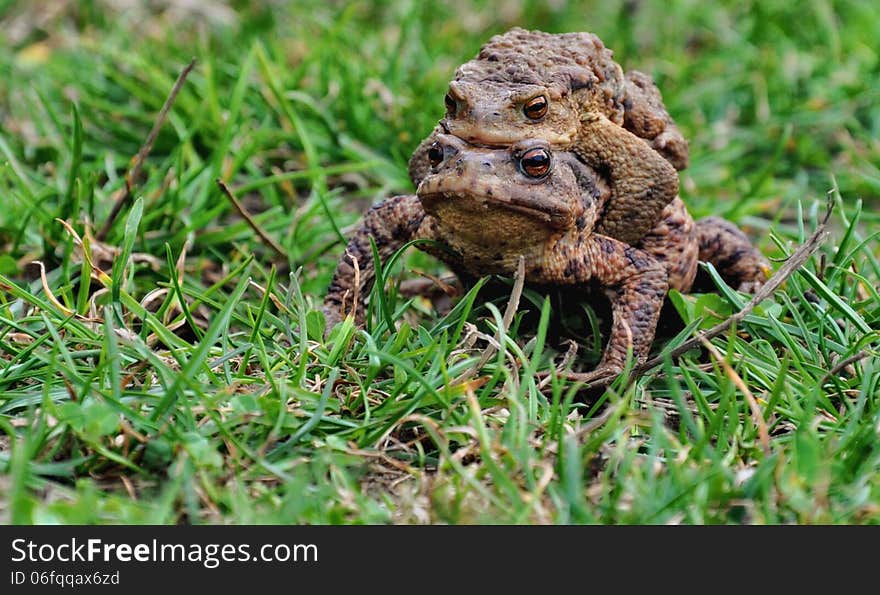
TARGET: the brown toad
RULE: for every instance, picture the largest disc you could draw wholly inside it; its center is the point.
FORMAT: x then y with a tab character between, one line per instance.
487	208
568	90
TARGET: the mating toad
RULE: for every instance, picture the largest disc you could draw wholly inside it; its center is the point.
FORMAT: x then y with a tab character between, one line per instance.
568	90
487	208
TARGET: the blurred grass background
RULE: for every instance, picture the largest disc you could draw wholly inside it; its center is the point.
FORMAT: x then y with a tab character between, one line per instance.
310	110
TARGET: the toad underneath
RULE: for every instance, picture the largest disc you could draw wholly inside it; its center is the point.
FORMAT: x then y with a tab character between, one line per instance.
485	208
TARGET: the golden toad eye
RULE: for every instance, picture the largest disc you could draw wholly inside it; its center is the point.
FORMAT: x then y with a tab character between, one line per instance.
435	155
535	163
450	104
536	107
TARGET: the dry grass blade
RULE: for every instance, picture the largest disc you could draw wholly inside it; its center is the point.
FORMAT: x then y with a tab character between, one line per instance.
48	291
509	312
86	247
54	300
262	291
129	487
757	414
266	238
357	285
138	160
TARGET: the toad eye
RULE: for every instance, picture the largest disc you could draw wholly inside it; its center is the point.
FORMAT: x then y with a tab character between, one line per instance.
435	155
536	107
535	163
451	105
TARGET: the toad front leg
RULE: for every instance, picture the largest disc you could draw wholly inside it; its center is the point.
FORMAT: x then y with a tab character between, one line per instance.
635	283
391	224
642	181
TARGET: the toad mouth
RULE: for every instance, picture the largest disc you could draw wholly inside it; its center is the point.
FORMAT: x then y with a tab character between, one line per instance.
531	206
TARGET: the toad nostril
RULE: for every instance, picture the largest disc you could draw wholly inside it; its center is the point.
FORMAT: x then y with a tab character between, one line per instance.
486	165
496	114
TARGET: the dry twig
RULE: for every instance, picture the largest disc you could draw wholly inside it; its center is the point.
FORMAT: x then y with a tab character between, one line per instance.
842	364
266	238
792	264
138	160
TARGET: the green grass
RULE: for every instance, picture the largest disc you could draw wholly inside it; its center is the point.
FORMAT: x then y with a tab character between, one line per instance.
190	383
